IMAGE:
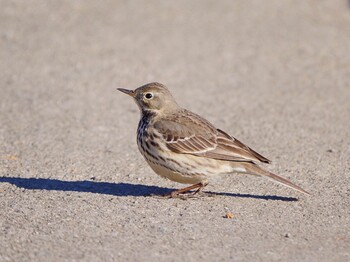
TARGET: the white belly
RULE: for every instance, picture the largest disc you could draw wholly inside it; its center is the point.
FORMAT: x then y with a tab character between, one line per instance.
182	168
176	176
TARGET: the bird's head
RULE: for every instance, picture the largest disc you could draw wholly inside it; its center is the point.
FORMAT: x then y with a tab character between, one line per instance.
153	97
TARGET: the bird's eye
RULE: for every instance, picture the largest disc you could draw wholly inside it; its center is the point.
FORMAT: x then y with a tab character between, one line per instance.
149	96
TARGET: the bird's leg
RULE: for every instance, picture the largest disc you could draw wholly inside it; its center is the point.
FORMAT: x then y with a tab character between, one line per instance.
178	192
183	192
199	191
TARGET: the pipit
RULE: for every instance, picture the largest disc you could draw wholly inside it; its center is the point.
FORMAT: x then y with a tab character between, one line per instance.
186	148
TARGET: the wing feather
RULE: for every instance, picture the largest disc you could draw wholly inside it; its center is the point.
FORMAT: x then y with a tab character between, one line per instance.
188	133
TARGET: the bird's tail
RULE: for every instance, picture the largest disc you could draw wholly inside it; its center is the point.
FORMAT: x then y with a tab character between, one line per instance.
256	170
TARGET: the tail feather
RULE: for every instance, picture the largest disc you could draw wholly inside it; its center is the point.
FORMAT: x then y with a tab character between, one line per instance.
256	170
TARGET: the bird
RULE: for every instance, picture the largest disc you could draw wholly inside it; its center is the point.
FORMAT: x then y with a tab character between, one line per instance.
186	148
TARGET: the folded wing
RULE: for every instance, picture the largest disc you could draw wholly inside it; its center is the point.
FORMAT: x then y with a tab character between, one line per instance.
188	133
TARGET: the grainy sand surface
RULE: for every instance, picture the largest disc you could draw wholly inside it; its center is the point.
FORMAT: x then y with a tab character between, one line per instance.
73	186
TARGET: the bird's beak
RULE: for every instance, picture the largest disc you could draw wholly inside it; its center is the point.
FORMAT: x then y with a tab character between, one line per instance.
128	92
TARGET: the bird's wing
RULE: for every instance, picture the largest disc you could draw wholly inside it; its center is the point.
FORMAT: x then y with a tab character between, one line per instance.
188	133
228	145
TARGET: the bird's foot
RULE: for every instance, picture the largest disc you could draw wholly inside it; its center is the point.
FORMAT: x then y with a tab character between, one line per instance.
185	193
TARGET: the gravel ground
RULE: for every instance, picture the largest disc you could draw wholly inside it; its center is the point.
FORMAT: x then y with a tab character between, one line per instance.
73	186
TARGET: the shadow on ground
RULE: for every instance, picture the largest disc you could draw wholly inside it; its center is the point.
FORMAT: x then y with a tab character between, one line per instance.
115	189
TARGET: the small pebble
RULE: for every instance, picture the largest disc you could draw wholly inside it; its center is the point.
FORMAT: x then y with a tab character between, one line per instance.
229	215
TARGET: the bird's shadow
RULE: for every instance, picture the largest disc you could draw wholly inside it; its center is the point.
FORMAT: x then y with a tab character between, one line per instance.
115	189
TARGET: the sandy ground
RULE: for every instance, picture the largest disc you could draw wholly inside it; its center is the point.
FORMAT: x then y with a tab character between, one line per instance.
73	186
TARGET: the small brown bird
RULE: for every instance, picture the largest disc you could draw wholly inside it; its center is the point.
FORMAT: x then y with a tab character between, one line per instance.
186	148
